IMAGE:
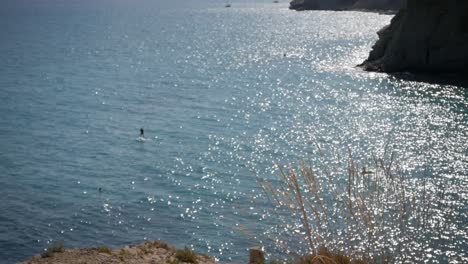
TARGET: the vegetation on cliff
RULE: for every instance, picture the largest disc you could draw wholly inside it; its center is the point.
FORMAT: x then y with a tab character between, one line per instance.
148	252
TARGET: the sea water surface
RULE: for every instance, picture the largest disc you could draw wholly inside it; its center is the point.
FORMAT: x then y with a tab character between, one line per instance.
222	93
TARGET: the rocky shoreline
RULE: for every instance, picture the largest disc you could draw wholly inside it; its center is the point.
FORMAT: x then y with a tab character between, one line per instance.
154	252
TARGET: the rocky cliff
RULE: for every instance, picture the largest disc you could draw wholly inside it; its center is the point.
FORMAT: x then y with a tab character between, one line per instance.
425	36
320	4
346	4
379	4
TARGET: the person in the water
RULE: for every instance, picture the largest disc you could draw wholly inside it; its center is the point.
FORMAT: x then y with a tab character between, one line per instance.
142	132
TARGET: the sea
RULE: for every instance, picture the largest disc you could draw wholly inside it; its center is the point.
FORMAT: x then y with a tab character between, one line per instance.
225	96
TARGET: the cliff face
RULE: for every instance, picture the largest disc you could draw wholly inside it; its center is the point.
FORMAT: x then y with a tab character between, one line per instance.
425	36
320	4
346	4
379	4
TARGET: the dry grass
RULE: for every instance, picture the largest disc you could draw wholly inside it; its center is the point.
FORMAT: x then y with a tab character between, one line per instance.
123	253
330	258
56	247
186	255
104	249
157	244
368	213
323	256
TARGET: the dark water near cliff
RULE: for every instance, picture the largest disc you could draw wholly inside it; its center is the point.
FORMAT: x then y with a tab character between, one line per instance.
222	94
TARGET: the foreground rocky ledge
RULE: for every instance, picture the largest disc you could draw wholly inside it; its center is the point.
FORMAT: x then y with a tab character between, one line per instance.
149	252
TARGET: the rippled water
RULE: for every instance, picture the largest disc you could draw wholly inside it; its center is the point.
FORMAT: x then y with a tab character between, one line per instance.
223	94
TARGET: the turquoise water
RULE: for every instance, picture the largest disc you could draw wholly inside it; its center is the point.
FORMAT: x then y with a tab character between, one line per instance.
222	95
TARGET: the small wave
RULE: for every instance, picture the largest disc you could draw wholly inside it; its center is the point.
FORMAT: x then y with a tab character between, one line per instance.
142	139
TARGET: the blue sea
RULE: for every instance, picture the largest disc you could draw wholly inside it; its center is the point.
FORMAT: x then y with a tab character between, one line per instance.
223	94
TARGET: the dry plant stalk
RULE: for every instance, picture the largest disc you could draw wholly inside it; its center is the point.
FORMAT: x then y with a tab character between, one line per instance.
374	211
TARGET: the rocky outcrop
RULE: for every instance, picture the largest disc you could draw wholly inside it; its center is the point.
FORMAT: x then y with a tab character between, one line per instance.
147	253
380	5
425	36
300	5
384	5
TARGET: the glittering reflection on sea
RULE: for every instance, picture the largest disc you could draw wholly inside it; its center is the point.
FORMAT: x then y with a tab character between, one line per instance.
299	90
223	95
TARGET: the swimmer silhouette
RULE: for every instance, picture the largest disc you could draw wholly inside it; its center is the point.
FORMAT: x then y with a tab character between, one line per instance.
142	132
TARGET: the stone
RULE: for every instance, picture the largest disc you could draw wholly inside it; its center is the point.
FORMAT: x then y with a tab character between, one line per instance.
257	256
